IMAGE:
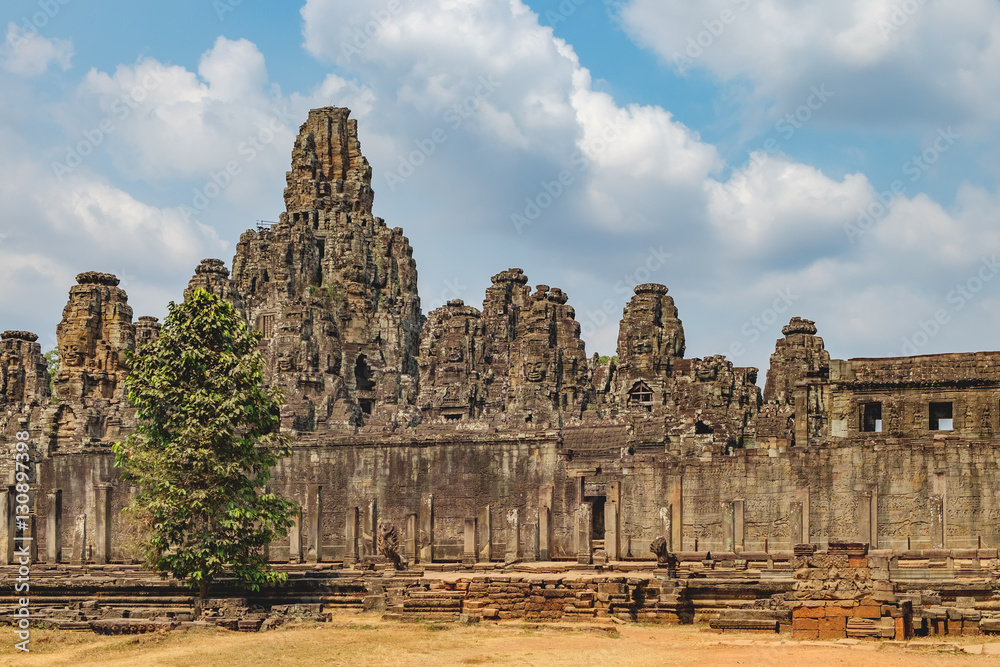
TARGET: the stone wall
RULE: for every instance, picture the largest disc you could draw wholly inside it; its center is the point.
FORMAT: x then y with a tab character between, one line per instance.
493	422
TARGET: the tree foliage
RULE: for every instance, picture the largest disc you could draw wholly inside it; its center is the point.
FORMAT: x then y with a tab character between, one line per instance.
201	454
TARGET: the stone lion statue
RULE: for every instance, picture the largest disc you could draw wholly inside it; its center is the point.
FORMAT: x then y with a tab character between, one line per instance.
664	558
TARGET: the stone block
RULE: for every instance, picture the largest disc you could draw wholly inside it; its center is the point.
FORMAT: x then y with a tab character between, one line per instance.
867	611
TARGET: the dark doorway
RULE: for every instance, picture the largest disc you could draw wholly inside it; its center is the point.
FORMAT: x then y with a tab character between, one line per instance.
597	518
871	417
940	417
363	374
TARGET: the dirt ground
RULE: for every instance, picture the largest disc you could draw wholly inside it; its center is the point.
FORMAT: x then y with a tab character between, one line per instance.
366	640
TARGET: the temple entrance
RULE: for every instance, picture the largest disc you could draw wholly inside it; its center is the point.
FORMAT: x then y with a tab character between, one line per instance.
597	516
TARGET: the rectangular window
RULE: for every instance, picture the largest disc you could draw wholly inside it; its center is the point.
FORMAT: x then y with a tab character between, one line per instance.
266	324
871	417
940	417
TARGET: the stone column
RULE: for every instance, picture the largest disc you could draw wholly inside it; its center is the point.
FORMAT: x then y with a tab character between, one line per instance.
739	523
469	552
485	527
675	495
545	522
369	530
728	526
513	546
314	508
584	523
412	538
665	526
7	530
295	538
937	522
873	519
79	554
102	529
426	526
795	522
351	537
544	533
31	532
611	544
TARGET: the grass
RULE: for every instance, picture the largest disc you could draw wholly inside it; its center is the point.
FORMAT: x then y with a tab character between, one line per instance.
367	640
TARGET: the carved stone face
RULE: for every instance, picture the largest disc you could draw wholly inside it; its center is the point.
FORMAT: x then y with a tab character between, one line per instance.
642	346
454	353
73	356
534	370
286	363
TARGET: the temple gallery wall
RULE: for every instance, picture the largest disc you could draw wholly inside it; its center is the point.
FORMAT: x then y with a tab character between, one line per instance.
487	433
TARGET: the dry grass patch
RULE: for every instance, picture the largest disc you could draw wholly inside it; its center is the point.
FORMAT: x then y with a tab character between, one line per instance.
366	640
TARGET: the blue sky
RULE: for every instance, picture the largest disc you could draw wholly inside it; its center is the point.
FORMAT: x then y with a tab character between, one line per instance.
763	158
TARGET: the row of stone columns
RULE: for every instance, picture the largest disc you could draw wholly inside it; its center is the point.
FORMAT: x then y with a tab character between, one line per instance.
80	552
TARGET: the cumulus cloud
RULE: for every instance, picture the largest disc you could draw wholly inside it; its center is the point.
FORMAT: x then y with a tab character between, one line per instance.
642	189
54	229
890	62
30	54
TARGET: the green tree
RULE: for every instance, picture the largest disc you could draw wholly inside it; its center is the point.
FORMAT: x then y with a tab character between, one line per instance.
201	453
52	361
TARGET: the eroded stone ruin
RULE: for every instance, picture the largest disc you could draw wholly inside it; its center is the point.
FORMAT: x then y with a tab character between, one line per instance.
486	436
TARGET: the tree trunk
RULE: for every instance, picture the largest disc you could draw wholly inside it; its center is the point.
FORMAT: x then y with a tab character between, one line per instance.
199	606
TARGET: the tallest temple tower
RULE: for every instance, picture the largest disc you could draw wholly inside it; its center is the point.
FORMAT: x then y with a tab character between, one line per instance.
334	290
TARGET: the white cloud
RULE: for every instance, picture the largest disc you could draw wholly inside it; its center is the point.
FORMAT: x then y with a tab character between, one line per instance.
172	123
30	55
890	62
640	177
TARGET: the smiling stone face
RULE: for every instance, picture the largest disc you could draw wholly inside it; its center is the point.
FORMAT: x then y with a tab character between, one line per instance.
454	353
535	370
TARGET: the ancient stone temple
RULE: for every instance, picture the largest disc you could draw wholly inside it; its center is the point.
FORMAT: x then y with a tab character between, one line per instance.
484	432
334	290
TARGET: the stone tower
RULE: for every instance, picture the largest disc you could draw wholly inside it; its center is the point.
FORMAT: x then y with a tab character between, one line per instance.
334	290
90	407
650	340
